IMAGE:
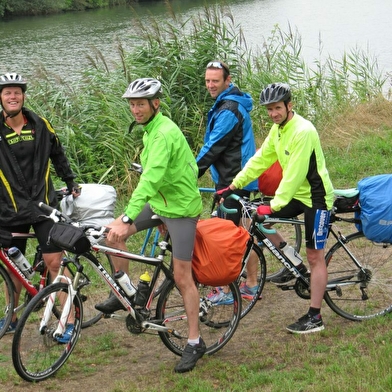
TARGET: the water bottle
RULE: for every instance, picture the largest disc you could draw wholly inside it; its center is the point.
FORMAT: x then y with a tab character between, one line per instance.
18	258
143	289
294	256
125	283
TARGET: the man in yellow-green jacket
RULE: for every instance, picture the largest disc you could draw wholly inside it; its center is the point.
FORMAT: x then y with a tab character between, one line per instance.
167	194
305	188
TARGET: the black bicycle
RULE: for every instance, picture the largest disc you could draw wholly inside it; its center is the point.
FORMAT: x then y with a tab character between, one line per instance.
359	270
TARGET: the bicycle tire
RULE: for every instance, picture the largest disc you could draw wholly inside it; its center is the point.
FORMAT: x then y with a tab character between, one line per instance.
93	289
7	300
248	302
292	233
359	296
217	322
37	356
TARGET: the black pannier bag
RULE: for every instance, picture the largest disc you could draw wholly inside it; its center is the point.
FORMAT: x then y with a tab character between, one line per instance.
346	204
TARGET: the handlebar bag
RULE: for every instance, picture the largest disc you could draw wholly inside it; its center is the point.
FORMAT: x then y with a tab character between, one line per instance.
218	251
69	237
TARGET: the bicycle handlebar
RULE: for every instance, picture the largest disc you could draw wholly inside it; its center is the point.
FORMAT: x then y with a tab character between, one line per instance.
56	216
255	216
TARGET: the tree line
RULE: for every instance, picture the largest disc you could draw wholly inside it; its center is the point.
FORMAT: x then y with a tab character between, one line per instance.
9	8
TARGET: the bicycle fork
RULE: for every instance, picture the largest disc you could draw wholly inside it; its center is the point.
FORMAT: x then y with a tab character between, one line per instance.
66	307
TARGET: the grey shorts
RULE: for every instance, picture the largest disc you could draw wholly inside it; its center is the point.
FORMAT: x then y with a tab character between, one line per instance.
182	231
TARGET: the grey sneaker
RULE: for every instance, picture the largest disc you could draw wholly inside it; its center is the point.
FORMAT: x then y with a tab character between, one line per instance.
190	356
307	324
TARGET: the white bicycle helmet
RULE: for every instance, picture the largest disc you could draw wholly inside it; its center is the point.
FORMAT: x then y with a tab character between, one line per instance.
275	92
12	79
148	88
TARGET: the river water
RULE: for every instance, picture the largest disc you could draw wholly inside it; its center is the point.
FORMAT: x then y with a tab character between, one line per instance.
62	43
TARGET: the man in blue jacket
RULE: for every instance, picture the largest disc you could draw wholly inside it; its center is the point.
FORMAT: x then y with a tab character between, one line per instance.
229	141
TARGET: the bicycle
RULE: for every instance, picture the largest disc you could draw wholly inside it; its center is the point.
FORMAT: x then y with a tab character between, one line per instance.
92	293
359	270
35	353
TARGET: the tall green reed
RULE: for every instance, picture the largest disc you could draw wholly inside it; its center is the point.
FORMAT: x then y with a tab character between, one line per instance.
93	119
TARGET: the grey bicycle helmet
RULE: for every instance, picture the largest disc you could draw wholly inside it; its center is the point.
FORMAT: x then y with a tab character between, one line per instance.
148	88
12	80
275	92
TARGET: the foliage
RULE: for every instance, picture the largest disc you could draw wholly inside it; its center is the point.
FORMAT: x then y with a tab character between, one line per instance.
93	120
42	7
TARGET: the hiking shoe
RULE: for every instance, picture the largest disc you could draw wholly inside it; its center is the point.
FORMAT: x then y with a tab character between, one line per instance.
215	294
226	299
111	305
249	292
11	327
190	356
307	324
285	275
66	336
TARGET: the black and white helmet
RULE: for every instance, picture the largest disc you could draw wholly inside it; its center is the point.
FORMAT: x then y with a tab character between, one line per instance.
148	88
275	92
12	80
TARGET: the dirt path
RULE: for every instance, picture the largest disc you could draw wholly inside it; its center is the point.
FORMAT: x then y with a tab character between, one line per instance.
143	357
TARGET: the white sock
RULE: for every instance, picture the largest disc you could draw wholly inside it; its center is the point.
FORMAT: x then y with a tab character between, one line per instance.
194	342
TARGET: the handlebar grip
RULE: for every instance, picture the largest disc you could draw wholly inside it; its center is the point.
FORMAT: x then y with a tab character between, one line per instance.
261	219
230	210
45	208
54	214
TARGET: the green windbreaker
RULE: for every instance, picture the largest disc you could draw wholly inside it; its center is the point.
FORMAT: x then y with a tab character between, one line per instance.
305	177
169	178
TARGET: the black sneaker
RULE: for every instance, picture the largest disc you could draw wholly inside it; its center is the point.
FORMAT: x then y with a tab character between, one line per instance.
285	275
111	305
307	324
190	356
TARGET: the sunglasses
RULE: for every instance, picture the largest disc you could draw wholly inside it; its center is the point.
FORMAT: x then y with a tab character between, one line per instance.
217	64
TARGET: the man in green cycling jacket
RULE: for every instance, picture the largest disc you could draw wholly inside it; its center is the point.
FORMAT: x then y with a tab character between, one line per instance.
305	188
167	193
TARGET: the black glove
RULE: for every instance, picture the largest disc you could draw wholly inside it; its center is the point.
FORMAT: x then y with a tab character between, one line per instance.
223	193
73	187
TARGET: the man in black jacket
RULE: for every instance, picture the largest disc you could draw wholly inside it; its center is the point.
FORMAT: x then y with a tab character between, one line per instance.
27	145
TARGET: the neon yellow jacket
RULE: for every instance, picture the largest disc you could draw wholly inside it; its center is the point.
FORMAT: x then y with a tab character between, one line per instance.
169	178
305	176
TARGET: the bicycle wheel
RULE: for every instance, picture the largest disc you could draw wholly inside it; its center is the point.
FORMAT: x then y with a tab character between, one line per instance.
217	323
93	289
7	300
36	354
354	293
292	233
248	301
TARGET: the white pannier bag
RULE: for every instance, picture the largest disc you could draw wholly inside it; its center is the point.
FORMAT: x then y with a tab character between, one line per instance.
94	206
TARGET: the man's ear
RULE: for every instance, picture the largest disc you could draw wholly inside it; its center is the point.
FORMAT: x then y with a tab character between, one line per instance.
155	103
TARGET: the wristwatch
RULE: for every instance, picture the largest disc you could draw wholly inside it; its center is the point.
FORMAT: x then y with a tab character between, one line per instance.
127	219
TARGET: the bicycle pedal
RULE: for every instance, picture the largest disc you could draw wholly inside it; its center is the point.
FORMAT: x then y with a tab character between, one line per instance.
286	287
